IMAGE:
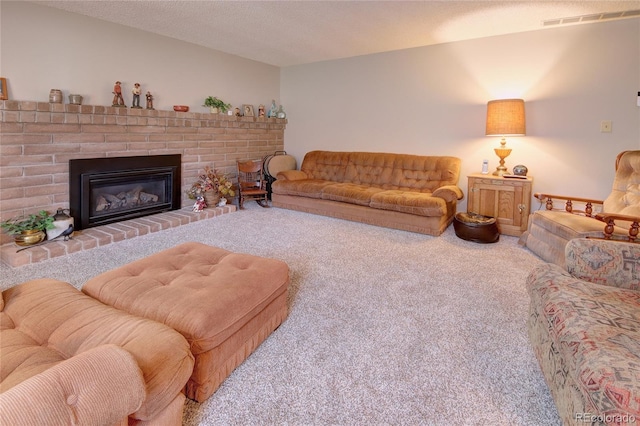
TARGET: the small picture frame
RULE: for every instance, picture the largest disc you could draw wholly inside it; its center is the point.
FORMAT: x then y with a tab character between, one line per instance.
247	110
4	95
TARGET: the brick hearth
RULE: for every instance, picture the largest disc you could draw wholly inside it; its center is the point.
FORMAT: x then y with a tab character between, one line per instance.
88	239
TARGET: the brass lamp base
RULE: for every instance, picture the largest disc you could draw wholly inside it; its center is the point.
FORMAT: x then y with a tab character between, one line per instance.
502	153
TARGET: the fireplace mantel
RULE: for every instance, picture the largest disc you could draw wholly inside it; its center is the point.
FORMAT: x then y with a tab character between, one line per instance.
39	138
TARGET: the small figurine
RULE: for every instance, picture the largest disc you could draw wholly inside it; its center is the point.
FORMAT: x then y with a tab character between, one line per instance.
136	96
281	113
273	111
149	100
261	111
118	100
238	113
200	204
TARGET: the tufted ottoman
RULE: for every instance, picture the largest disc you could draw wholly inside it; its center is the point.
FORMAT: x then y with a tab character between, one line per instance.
225	304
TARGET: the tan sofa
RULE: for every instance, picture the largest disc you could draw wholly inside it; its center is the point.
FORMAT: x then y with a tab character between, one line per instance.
584	324
409	192
45	323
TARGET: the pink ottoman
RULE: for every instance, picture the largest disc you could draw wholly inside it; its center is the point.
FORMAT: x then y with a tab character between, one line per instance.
225	304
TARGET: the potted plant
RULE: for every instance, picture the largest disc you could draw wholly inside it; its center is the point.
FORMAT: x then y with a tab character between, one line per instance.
216	105
27	230
213	186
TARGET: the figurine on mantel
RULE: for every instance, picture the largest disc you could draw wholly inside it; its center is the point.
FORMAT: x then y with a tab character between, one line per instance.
118	100
261	111
149	100
273	111
136	96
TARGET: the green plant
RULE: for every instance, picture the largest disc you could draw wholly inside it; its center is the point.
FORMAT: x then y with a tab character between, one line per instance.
40	221
212	180
214	102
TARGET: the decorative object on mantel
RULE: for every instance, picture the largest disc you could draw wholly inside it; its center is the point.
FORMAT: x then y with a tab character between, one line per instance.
136	91
273	111
75	99
118	100
30	229
181	108
213	186
149	97
261	111
216	105
4	95
248	110
281	113
55	96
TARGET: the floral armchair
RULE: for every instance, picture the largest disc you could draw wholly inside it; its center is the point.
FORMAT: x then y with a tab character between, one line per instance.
617	217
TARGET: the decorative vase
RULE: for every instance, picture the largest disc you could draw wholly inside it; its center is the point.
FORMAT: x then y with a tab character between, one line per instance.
75	99
211	198
520	170
30	237
55	96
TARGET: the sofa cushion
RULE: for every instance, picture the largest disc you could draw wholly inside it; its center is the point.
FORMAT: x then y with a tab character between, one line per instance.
596	331
422	204
350	193
311	188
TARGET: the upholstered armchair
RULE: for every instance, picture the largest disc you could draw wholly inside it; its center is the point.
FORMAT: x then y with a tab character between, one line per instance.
617	217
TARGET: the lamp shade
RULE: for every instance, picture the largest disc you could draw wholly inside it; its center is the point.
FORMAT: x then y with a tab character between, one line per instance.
505	117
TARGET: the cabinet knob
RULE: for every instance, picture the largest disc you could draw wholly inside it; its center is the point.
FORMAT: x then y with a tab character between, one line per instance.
521	208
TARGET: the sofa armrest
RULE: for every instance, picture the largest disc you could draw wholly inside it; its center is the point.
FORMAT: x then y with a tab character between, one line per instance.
612	263
100	386
291	175
449	193
586	204
630	222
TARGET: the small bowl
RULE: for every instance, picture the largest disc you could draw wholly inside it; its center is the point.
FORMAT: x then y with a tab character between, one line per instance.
181	108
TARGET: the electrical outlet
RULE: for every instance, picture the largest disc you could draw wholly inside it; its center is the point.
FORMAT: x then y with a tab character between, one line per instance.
605	126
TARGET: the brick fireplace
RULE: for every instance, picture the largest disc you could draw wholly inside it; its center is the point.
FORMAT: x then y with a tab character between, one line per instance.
38	139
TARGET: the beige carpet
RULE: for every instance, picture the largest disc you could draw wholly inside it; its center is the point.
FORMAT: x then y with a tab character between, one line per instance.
386	327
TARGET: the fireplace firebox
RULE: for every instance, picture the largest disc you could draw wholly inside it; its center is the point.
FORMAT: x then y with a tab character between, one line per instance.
107	190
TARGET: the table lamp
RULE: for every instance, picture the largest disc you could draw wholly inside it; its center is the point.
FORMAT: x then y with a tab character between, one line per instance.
505	117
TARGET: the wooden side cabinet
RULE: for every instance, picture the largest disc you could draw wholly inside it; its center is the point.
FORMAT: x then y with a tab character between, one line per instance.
506	199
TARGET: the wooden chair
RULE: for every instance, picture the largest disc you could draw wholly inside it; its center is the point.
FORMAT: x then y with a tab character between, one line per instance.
251	184
615	218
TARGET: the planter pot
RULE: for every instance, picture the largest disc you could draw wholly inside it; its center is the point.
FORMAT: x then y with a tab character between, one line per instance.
27	238
214	110
211	198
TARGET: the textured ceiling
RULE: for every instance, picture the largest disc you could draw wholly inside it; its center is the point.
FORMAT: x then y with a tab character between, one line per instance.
285	33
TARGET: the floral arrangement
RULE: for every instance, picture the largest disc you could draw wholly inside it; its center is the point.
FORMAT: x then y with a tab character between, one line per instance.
211	180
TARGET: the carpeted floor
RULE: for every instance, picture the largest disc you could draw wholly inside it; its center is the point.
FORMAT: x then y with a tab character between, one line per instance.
385	326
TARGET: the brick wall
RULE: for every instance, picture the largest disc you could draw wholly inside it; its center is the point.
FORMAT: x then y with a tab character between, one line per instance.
37	140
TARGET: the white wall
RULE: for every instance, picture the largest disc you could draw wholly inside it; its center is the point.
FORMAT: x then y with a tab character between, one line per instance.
432	100
44	48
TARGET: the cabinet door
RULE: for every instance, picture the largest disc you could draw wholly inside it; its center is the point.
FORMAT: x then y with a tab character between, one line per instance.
505	200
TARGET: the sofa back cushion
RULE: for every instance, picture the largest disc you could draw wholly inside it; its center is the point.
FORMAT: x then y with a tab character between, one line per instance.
383	170
625	194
